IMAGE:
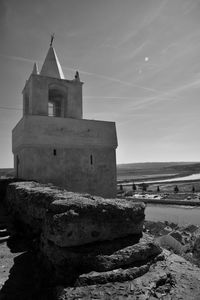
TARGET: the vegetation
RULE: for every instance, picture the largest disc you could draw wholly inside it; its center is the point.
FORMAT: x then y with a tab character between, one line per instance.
134	188
176	189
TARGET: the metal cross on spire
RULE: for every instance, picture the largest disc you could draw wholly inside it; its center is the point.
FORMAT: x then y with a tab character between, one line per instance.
52	38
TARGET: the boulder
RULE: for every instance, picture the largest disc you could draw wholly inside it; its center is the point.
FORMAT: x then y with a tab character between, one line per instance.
77	220
118	275
126	257
73	219
29	201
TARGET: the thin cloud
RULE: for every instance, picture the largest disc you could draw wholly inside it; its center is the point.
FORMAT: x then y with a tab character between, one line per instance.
184	49
87	73
147	22
169	95
18	58
136	51
113	79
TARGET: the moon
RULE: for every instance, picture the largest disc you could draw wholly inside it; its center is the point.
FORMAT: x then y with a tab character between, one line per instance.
146	58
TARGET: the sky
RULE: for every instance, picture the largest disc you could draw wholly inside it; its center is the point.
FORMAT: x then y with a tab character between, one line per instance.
139	61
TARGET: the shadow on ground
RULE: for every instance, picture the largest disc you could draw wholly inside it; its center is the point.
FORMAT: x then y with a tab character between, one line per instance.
27	280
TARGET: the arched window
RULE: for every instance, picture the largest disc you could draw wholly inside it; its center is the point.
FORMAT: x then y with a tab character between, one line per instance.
56	100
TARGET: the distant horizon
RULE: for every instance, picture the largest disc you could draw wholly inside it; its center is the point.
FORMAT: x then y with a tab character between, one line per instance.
153	162
144	162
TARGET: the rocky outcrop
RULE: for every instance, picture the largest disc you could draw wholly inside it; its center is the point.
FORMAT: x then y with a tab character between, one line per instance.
28	203
136	254
118	275
171	278
93	246
73	219
77	220
79	233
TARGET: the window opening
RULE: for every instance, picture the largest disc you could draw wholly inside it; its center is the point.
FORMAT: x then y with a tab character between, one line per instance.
56	100
91	159
50	109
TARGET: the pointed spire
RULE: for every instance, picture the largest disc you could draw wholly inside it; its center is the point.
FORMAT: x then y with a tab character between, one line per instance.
35	69
51	66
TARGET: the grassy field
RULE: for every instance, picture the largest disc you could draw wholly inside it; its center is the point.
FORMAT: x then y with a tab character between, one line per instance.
156	170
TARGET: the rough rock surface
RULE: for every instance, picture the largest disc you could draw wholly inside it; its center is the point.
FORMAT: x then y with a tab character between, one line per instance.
28	202
183	240
73	219
118	275
172	278
133	255
116	268
101	257
73	229
79	220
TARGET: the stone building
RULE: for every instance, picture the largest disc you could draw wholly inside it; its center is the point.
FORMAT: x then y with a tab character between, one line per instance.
52	143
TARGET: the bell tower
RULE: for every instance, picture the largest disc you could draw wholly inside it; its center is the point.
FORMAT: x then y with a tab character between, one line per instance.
52	143
48	93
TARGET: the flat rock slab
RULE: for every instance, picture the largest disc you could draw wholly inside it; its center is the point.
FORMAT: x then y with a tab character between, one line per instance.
73	219
118	275
78	220
135	254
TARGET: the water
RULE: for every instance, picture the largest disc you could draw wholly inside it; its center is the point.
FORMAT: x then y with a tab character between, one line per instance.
185	178
173	213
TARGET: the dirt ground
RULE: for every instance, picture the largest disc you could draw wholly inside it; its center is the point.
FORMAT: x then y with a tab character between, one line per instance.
21	277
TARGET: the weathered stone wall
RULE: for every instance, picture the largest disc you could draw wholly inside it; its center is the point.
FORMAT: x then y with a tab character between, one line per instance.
78	174
70	219
75	230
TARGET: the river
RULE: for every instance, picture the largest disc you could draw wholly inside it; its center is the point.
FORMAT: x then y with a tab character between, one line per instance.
159	181
173	213
185	178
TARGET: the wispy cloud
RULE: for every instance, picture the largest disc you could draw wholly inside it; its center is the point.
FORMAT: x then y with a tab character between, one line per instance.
168	95
113	79
18	58
147	21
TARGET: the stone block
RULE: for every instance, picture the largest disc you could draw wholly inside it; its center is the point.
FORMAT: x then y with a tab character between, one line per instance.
118	275
79	220
28	202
